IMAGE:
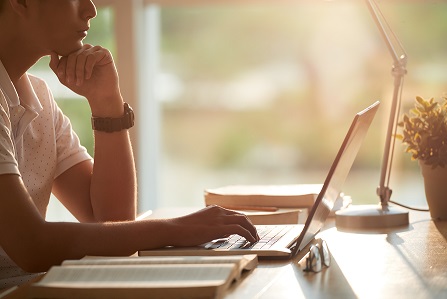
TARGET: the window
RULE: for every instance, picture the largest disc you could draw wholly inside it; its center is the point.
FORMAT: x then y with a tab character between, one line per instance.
264	93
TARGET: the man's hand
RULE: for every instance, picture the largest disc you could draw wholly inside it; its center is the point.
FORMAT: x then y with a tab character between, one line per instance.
212	223
90	72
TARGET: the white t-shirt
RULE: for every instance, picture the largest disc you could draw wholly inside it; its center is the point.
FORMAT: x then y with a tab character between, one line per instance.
36	142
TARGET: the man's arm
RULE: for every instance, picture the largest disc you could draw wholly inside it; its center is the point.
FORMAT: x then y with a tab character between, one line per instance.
36	245
110	183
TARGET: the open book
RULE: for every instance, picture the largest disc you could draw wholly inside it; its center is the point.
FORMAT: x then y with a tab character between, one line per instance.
143	277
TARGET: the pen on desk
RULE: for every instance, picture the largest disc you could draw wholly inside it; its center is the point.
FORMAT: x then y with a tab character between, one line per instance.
250	208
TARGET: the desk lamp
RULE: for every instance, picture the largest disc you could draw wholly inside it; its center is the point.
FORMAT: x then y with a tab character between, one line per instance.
382	215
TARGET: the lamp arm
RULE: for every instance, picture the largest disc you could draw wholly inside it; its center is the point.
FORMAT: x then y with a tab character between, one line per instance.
398	71
383	190
388	35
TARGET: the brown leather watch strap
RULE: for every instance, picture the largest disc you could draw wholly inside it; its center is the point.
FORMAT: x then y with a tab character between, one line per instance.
110	124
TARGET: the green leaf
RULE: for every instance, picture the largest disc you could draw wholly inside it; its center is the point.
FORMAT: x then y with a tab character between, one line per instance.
425	131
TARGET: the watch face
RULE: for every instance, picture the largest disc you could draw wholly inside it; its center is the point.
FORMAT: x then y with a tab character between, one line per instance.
130	115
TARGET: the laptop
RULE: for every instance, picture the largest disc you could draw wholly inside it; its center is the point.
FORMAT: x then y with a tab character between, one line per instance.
286	241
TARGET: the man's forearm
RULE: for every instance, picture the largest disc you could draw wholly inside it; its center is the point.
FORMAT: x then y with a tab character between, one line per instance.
113	185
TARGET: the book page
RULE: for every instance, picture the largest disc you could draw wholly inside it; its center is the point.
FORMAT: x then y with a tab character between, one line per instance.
137	276
244	261
268	190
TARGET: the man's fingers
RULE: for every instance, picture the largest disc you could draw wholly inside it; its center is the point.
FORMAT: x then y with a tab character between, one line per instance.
242	221
80	68
90	63
77	66
215	222
243	232
54	61
70	68
58	66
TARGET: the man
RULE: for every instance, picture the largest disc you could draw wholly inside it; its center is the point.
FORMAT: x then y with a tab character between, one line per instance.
40	154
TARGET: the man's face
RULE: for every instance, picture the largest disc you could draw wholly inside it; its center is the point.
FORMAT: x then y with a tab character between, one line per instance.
59	25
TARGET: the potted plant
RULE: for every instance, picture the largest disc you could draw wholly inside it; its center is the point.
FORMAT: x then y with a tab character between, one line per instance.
424	132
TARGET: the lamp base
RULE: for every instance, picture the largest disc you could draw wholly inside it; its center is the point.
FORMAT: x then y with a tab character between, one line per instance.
370	217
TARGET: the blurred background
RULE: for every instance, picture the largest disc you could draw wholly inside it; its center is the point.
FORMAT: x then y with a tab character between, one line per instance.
263	93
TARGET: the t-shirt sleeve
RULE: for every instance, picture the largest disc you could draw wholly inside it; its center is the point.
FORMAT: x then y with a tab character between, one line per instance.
8	162
69	149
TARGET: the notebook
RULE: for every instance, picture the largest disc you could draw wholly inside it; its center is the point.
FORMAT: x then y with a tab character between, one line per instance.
286	241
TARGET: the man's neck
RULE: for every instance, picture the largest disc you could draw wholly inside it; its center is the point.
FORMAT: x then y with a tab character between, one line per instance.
16	53
16	61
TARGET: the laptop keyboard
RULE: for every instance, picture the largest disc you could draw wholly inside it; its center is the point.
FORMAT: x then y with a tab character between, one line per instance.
268	235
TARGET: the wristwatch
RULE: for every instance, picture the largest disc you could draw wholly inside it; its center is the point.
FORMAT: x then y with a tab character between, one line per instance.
109	124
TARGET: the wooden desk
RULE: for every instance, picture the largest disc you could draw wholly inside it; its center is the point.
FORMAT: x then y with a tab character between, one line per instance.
405	263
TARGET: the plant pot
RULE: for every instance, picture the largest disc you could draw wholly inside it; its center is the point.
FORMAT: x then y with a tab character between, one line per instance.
435	184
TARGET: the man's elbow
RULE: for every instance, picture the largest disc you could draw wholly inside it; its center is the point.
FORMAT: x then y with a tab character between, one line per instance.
34	264
35	253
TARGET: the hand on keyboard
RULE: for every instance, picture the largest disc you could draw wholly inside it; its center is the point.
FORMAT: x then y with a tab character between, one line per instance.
268	236
212	223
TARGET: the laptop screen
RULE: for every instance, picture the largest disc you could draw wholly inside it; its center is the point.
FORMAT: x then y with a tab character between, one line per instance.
337	175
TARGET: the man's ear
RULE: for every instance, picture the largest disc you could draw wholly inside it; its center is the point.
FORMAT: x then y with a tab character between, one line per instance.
19	6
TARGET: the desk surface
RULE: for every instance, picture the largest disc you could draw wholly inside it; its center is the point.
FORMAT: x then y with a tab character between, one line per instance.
404	263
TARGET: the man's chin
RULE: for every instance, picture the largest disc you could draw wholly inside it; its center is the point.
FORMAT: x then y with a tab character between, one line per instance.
68	50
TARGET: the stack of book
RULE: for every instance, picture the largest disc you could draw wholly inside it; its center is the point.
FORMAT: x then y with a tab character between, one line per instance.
270	204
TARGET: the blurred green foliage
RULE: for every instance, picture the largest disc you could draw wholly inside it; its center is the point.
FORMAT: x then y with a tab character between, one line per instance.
214	43
78	111
226	39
